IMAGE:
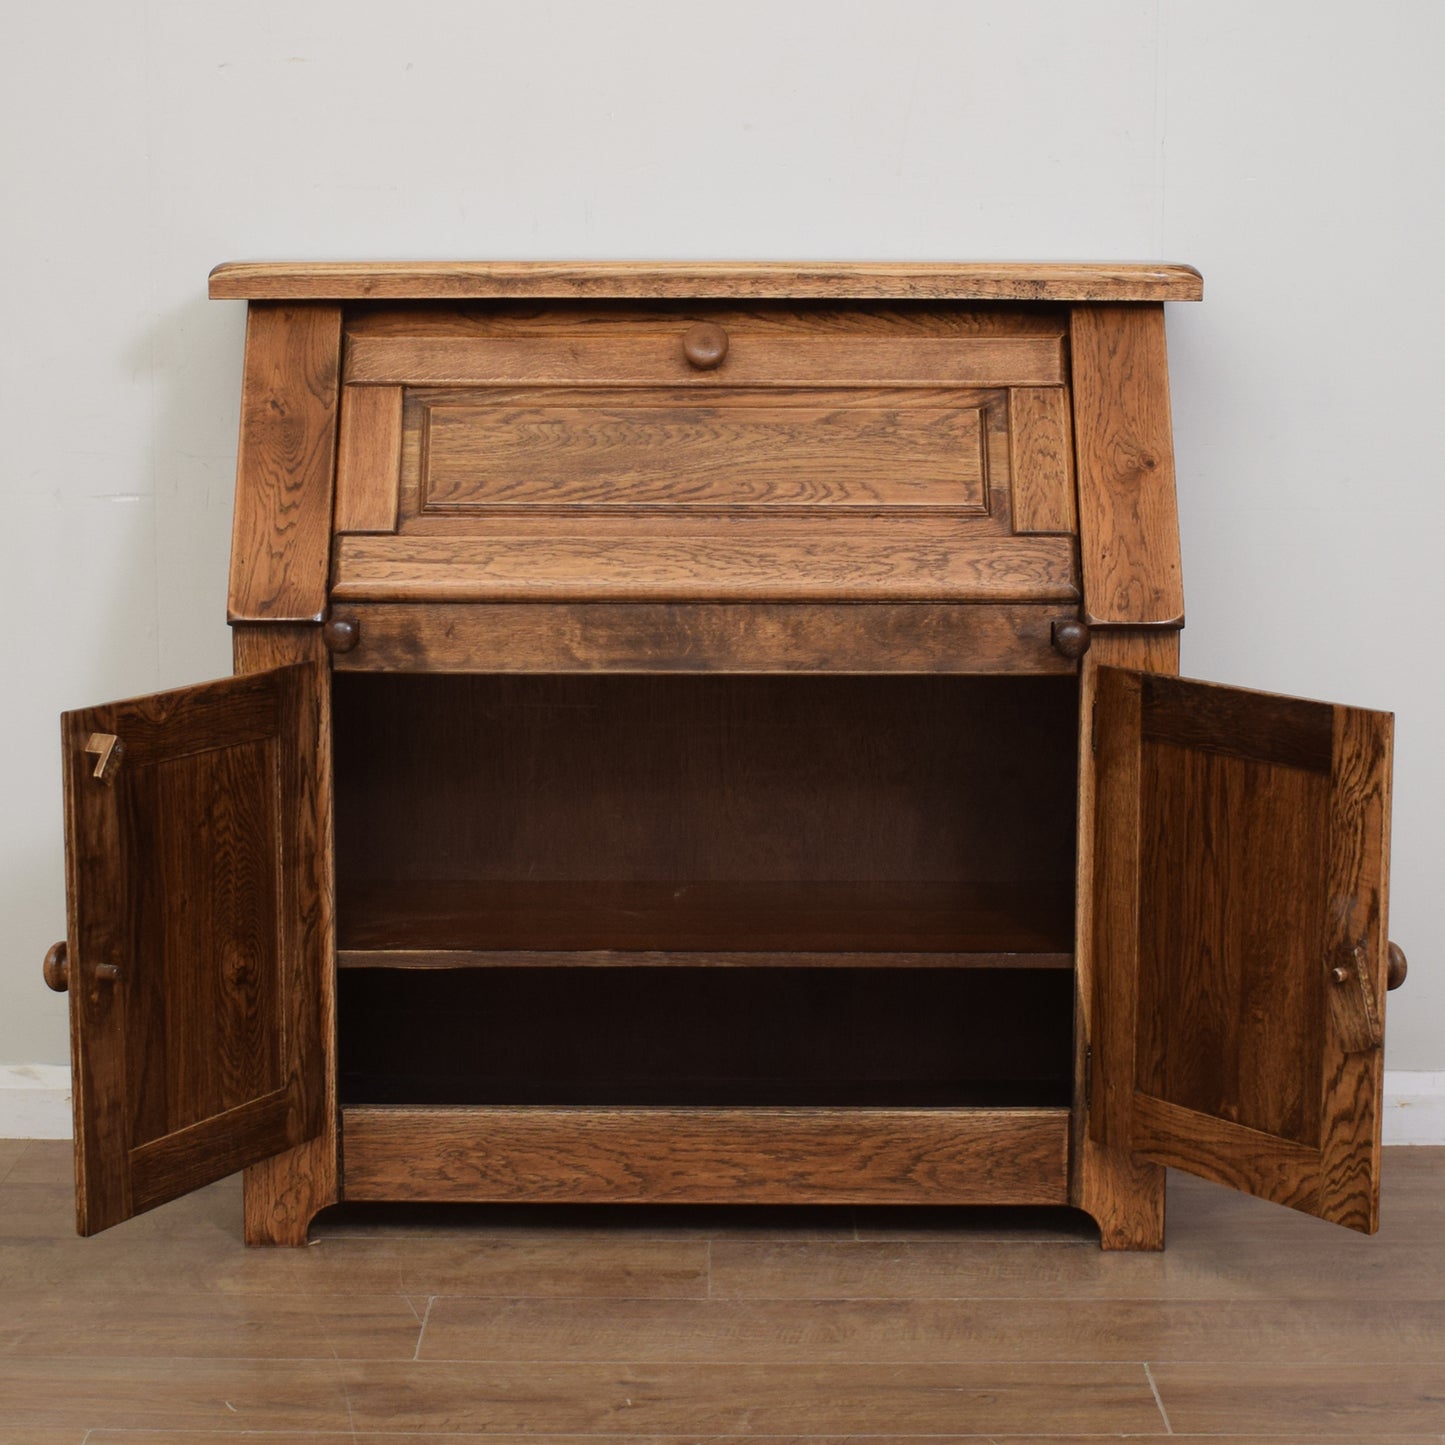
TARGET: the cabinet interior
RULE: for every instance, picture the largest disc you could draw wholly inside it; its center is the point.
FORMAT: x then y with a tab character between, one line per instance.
710	890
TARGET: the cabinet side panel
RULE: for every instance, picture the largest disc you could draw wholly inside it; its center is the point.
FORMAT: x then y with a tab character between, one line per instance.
286	463
284	1192
1128	519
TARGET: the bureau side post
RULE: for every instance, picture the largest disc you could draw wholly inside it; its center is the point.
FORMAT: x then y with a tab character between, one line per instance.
283	1193
1134	599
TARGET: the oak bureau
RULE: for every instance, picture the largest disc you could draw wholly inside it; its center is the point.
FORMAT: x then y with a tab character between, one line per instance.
711	732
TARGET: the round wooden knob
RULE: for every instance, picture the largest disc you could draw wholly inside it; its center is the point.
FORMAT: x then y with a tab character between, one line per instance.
705	345
341	634
56	967
1071	638
1396	967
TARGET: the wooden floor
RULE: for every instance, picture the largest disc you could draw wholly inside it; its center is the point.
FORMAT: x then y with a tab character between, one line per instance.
676	1326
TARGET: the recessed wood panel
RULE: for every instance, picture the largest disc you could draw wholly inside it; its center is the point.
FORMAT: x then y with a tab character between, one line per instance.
732	449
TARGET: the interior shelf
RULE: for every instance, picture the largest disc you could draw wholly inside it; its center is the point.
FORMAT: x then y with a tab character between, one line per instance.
735	923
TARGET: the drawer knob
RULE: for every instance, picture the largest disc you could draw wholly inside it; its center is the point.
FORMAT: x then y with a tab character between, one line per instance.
1397	968
1071	638
57	967
341	634
705	345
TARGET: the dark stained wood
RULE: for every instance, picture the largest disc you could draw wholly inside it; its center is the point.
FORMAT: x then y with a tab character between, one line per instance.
1014	1156
1128	520
833	280
368	468
56	968
691	958
1397	967
1232	873
709	558
1121	1191
784	784
701	637
655	357
735	916
285	464
192	875
568	449
1042	460
1070	638
284	1191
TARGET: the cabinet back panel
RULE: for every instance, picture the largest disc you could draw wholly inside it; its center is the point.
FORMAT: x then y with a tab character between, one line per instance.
706	1036
741	778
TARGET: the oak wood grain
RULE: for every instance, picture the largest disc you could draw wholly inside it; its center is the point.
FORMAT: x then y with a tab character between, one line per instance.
700	637
284	1191
655	357
1121	1191
368	470
696	1155
1246	867
746	558
1041	460
285	463
192	874
562	449
835	280
1128	518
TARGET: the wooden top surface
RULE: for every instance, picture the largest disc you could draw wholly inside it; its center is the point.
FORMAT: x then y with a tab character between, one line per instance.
756	280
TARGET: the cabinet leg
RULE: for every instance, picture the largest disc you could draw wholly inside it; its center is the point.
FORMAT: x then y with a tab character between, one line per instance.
1123	1193
284	1194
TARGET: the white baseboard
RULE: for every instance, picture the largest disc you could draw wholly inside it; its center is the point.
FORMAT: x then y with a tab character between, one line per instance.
35	1104
34	1101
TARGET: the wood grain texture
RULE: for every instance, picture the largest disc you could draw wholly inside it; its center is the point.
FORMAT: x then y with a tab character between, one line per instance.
1122	1192
392	958
1041	460
1128	519
564	449
192	873
746	558
618	1155
831	280
700	637
655	357
285	1190
285	463
368	472
1245	869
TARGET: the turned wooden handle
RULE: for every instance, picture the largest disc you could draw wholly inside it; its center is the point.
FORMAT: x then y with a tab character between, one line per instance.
56	967
341	634
705	345
1396	968
1071	638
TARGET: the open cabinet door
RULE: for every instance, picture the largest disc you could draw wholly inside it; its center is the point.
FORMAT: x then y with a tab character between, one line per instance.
1241	845
195	958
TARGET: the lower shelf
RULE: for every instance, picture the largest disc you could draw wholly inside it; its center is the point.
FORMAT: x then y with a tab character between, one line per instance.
607	1155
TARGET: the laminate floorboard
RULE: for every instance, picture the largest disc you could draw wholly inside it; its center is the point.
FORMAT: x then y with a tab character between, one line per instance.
576	1326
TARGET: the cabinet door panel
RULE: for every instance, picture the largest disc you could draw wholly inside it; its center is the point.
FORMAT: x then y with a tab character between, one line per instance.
1242	844
195	962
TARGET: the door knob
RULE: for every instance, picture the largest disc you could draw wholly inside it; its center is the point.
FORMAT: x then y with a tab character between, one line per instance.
56	967
1396	968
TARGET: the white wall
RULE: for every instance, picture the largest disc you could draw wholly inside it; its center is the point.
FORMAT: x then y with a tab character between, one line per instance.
1289	148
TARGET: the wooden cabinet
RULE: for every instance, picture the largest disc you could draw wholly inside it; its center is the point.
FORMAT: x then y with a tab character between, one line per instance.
710	733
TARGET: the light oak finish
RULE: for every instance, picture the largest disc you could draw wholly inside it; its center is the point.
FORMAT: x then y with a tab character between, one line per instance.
285	464
827	280
368	468
707	559
717	814
750	637
1128	517
696	1155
